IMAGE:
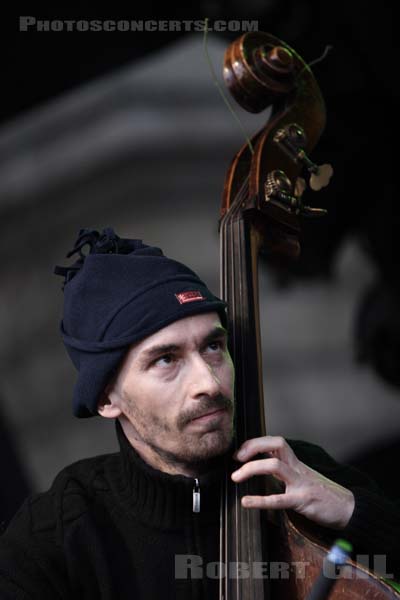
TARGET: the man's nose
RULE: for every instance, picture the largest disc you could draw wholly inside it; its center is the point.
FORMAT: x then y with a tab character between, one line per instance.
204	382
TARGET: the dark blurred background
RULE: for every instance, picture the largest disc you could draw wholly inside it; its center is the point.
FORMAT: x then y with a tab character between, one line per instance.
128	130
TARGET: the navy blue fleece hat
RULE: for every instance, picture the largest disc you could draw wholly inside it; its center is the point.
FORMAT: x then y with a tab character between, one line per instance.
118	293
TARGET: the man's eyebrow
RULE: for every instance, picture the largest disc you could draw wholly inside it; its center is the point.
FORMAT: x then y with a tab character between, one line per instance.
157	351
216	333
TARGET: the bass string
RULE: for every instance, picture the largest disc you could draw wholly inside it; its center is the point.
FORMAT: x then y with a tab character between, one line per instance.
242	282
231	270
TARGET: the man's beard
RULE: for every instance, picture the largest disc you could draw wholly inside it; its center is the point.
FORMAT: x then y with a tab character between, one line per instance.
196	453
213	443
218	403
200	458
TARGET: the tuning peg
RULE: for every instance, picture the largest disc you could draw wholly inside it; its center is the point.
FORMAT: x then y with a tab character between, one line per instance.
278	191
300	187
321	177
292	140
308	211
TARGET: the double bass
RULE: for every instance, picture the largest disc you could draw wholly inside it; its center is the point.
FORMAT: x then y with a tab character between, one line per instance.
262	210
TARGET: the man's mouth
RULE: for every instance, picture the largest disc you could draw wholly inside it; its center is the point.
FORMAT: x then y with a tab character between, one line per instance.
220	408
211	415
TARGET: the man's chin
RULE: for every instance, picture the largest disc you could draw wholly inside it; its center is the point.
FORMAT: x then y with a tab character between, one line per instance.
210	445
197	451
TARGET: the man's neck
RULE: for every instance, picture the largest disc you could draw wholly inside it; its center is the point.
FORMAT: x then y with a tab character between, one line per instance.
155	460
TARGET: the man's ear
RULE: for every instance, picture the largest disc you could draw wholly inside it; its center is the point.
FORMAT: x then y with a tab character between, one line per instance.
106	407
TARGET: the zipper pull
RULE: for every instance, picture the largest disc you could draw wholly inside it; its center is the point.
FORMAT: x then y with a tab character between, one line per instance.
196	496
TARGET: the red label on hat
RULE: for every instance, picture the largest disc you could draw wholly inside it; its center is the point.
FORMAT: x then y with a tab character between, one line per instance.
184	297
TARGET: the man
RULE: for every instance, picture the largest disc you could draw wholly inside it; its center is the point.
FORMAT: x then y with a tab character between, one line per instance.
149	341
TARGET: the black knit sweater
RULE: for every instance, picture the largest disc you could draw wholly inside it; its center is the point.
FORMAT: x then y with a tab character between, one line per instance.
111	527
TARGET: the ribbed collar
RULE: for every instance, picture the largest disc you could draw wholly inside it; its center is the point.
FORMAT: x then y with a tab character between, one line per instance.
161	500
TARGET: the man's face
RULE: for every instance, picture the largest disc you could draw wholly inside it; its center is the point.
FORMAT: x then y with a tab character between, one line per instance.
175	393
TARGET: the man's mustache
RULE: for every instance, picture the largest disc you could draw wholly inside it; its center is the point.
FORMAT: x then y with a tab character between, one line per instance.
206	406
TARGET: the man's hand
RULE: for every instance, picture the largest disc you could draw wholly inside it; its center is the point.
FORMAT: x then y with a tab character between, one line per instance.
307	492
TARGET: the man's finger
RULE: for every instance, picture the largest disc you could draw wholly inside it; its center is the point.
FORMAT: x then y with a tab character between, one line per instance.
268	443
272	502
266	466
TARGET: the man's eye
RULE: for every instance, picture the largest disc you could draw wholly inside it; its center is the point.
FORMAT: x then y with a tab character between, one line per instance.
215	346
164	360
